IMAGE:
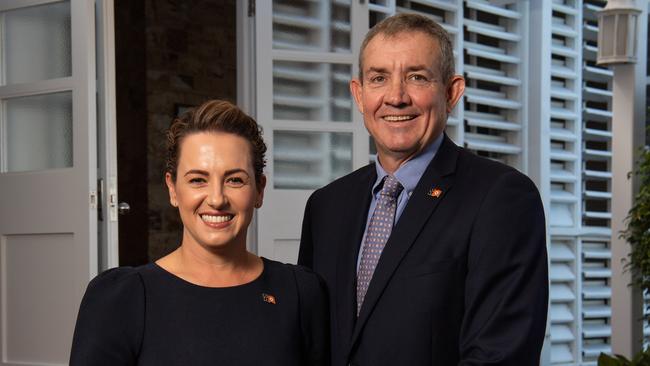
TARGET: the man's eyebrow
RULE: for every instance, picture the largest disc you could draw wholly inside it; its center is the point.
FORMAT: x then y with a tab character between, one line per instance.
417	68
379	70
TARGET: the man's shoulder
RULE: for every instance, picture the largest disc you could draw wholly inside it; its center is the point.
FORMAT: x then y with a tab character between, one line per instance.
468	160
348	183
475	169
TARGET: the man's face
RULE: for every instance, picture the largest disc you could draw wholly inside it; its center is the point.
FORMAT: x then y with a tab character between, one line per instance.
402	96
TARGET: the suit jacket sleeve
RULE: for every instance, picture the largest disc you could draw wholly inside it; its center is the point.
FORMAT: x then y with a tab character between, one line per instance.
314	317
306	252
506	293
110	323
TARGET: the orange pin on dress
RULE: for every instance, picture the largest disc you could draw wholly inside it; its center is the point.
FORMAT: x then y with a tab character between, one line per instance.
435	192
268	298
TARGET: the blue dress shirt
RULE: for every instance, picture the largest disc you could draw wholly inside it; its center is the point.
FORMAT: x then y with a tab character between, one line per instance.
408	175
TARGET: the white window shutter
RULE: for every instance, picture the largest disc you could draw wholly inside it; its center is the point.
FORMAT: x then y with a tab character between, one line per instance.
558	99
495	52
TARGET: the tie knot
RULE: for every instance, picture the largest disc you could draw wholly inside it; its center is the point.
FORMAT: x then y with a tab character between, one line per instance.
391	188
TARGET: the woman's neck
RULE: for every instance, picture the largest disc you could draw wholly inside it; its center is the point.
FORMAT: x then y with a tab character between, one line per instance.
212	268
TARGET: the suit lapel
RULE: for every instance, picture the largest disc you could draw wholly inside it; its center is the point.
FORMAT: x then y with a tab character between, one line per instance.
357	201
430	190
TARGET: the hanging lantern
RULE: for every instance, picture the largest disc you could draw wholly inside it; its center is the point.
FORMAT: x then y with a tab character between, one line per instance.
617	32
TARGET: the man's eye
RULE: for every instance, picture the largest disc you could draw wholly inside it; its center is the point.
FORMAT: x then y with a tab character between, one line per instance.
418	78
378	79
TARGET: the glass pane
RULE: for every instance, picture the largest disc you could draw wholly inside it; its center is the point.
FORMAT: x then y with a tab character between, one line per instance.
309	160
310	91
39	132
37	43
317	26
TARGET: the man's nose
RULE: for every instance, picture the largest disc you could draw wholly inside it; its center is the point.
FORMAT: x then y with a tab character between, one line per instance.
397	94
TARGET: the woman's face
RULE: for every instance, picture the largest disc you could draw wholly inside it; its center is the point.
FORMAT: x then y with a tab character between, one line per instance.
215	189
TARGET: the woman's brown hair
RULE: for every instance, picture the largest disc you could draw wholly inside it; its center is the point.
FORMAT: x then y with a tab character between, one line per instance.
216	116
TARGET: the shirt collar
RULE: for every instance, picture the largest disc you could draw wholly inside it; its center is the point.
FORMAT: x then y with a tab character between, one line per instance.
411	171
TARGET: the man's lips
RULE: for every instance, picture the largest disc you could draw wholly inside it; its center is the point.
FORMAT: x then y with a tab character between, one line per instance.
398	118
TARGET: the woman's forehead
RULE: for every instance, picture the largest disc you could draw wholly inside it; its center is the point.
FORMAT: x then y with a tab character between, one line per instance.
214	149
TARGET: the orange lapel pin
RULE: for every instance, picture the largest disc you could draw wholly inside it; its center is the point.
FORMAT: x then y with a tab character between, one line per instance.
435	192
268	298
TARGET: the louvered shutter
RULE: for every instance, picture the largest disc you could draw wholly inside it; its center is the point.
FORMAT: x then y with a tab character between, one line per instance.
596	192
495	112
307	52
563	84
304	63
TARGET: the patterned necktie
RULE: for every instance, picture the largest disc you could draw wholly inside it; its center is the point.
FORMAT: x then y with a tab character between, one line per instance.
378	232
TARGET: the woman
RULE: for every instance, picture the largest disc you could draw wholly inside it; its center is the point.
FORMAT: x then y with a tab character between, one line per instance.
210	302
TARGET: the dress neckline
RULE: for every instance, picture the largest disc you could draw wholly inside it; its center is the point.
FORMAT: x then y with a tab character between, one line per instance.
175	278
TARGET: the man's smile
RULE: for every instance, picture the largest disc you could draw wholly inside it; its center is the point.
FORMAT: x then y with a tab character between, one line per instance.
398	118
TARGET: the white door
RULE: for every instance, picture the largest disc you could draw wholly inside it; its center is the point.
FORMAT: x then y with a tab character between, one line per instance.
48	175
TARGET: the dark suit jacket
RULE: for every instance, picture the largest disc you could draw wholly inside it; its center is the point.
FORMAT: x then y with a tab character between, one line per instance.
462	280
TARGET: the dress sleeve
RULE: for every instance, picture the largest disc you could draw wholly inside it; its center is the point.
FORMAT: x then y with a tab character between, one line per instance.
110	323
506	294
314	317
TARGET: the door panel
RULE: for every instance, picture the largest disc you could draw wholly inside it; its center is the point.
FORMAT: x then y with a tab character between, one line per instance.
48	175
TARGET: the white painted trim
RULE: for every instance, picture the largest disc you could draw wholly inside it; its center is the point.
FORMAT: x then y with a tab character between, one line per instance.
316	126
246	90
37	88
106	126
298	56
7	5
628	109
84	109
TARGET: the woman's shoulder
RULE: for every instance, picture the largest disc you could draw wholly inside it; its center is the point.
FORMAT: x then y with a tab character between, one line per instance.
306	279
110	322
117	285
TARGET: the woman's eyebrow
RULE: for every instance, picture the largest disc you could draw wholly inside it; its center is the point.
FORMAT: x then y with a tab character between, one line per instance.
196	171
227	172
236	170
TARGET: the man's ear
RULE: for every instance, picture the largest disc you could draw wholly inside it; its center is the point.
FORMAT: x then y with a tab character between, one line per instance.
356	88
171	187
455	90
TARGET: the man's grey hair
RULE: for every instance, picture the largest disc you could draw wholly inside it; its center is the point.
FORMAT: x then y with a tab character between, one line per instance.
407	22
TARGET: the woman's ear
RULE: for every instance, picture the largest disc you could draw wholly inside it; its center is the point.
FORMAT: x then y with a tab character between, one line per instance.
260	191
171	187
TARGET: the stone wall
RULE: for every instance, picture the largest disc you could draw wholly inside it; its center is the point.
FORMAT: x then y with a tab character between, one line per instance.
190	58
131	117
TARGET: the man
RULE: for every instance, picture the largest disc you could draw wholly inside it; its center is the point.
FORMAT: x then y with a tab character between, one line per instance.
432	256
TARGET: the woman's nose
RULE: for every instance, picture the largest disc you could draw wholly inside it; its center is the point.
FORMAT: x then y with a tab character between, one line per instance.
216	197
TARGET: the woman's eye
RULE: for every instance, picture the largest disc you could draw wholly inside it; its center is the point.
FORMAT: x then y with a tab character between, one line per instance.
197	180
235	181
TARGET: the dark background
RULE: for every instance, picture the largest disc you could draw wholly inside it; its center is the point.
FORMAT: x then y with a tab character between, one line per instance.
168	54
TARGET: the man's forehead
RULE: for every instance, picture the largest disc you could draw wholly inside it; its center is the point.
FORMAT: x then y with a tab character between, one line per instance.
381	45
391	37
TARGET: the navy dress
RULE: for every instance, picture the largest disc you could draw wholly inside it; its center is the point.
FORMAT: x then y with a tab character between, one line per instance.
148	316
